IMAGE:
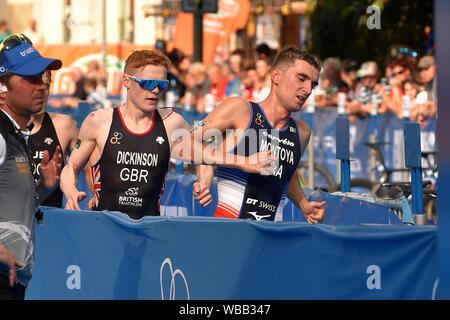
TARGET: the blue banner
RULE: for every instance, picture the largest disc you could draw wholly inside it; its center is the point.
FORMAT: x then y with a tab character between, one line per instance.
105	255
340	210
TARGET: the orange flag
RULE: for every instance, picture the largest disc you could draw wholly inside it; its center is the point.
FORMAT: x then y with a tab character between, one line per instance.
232	15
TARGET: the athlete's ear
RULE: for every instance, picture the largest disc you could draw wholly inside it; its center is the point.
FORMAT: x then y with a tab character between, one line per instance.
125	81
3	90
275	75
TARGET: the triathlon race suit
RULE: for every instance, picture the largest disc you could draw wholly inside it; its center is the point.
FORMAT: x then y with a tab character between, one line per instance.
253	196
46	139
130	175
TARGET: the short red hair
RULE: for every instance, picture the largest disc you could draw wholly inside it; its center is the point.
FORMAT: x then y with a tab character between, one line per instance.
141	58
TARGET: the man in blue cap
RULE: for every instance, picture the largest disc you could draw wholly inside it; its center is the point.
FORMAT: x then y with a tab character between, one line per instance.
22	94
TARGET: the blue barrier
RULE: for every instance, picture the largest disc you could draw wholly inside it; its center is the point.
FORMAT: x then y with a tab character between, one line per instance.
413	161
389	130
341	210
343	151
104	255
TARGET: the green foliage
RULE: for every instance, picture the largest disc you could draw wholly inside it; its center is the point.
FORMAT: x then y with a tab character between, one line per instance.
339	28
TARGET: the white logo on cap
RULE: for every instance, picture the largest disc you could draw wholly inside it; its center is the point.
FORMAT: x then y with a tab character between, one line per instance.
27	51
2	69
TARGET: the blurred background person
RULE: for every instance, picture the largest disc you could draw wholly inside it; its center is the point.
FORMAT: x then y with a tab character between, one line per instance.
412	90
331	83
32	32
78	78
427	71
197	85
263	51
248	81
234	85
183	67
161	46
367	86
175	76
96	95
4	30
218	84
93	69
399	73
263	80
349	75
237	61
423	109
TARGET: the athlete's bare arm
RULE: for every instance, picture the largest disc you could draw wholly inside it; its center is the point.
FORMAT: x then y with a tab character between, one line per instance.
67	132
202	187
232	114
88	149
305	133
174	123
313	211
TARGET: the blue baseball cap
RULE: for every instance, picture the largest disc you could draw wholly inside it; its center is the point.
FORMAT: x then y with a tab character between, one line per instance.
25	60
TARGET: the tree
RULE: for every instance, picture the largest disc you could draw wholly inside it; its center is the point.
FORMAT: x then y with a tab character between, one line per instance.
345	28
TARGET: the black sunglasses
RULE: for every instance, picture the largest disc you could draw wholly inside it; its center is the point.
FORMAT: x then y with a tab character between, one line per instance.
13	41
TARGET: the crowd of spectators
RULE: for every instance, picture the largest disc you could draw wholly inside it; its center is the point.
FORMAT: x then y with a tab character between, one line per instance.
407	80
196	85
406	87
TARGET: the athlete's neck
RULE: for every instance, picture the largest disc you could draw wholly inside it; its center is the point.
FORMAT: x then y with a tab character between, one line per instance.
275	113
37	120
135	119
22	120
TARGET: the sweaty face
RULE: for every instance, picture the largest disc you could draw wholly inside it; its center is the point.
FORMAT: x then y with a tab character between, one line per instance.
295	84
26	95
142	98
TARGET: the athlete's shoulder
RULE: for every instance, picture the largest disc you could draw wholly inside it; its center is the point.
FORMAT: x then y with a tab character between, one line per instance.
172	120
96	123
304	128
166	112
304	131
236	108
302	125
232	113
235	103
99	116
61	119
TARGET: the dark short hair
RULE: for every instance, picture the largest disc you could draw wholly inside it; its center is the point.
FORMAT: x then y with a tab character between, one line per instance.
291	54
4	80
